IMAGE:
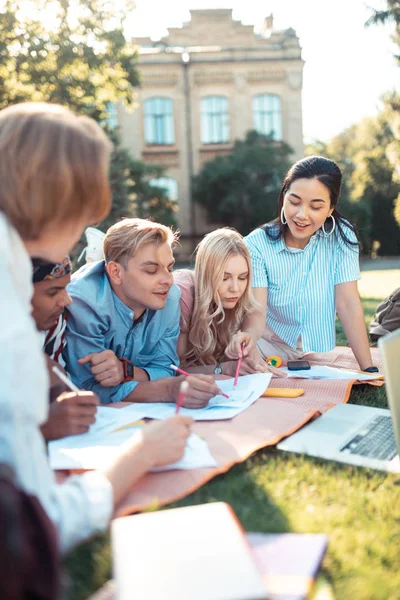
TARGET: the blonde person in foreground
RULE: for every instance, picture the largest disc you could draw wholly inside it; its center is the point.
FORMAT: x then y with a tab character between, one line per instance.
305	271
54	182
215	299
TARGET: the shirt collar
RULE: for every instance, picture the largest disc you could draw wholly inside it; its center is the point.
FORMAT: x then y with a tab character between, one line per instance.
280	245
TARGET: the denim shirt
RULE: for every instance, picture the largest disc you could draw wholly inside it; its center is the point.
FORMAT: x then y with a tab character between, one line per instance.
98	320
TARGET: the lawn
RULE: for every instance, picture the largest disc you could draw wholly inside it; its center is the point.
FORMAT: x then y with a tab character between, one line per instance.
359	509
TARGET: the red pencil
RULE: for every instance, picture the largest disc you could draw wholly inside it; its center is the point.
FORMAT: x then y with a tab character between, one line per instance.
182	391
182	372
238	366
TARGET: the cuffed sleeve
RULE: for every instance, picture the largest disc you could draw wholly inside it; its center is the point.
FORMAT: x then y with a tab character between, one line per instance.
347	259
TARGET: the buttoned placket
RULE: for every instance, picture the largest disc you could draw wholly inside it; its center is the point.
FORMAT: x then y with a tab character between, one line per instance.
135	328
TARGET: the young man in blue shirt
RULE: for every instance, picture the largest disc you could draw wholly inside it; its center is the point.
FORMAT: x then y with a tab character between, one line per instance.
123	324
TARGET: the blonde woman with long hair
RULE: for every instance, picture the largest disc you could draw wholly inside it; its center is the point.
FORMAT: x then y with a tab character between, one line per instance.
215	299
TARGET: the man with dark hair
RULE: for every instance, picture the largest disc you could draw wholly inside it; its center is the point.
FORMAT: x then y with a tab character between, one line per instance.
69	413
49	302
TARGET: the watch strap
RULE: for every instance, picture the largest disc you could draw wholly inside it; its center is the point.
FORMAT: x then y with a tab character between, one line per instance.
129	370
218	369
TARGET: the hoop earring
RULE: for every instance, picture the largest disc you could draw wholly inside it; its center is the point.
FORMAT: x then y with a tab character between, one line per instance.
283	217
333	226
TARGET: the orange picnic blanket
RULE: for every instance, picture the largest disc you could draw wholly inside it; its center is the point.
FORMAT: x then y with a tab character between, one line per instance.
265	423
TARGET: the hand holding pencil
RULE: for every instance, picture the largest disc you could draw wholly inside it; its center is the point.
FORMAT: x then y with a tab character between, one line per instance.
201	388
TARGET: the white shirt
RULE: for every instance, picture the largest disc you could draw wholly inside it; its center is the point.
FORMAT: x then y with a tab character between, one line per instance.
82	506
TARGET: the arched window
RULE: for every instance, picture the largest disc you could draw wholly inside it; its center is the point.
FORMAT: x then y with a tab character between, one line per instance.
214	120
267	115
169	184
158	121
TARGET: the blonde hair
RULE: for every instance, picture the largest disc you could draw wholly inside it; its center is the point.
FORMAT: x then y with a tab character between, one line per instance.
53	167
126	237
211	326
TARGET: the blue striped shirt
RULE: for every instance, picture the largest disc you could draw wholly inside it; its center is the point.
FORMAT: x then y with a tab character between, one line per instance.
301	284
98	320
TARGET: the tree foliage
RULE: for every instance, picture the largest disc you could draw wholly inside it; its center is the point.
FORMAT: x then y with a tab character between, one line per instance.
241	190
389	14
73	52
368	154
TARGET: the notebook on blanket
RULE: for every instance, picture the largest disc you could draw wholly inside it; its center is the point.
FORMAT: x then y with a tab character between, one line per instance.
202	552
197	552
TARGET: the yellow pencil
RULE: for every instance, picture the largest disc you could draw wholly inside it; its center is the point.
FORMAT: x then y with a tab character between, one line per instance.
128	425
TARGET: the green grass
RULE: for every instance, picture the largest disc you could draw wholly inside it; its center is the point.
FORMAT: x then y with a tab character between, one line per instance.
359	509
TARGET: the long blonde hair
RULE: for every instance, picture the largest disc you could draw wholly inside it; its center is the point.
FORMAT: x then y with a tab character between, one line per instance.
211	326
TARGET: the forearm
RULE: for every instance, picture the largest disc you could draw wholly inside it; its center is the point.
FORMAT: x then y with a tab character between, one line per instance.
352	319
254	324
159	390
141	375
129	468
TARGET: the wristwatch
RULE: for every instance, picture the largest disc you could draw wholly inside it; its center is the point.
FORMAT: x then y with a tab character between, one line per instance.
371	370
129	370
218	369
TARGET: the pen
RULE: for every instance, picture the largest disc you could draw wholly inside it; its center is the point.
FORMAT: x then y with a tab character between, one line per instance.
181	397
182	372
65	379
239	364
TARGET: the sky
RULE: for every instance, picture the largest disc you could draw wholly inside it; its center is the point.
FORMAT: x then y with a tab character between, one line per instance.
347	66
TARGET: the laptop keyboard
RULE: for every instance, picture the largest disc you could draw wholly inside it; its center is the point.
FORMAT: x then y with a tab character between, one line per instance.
375	440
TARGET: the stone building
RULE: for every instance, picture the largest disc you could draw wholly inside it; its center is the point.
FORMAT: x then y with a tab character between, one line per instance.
203	86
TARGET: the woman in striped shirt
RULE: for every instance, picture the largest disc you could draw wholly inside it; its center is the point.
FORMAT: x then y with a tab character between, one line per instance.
305	269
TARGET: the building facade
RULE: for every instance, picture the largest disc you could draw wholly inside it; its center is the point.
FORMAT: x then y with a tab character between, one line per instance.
203	86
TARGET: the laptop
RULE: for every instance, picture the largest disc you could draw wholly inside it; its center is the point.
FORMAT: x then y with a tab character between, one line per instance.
359	435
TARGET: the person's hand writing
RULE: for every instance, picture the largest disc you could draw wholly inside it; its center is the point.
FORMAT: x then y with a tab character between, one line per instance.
234	348
201	389
70	414
250	364
105	366
165	440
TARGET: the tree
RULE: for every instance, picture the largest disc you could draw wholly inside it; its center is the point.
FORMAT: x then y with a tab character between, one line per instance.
241	190
366	153
80	58
390	14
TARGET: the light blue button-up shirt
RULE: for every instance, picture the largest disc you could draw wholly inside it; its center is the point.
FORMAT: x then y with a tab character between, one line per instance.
98	320
301	284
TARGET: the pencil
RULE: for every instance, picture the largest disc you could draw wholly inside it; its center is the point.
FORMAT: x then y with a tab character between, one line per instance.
239	364
182	372
182	391
65	379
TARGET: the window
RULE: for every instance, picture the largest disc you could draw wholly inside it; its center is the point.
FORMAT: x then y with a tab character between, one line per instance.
158	121
214	120
267	115
112	115
168	184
